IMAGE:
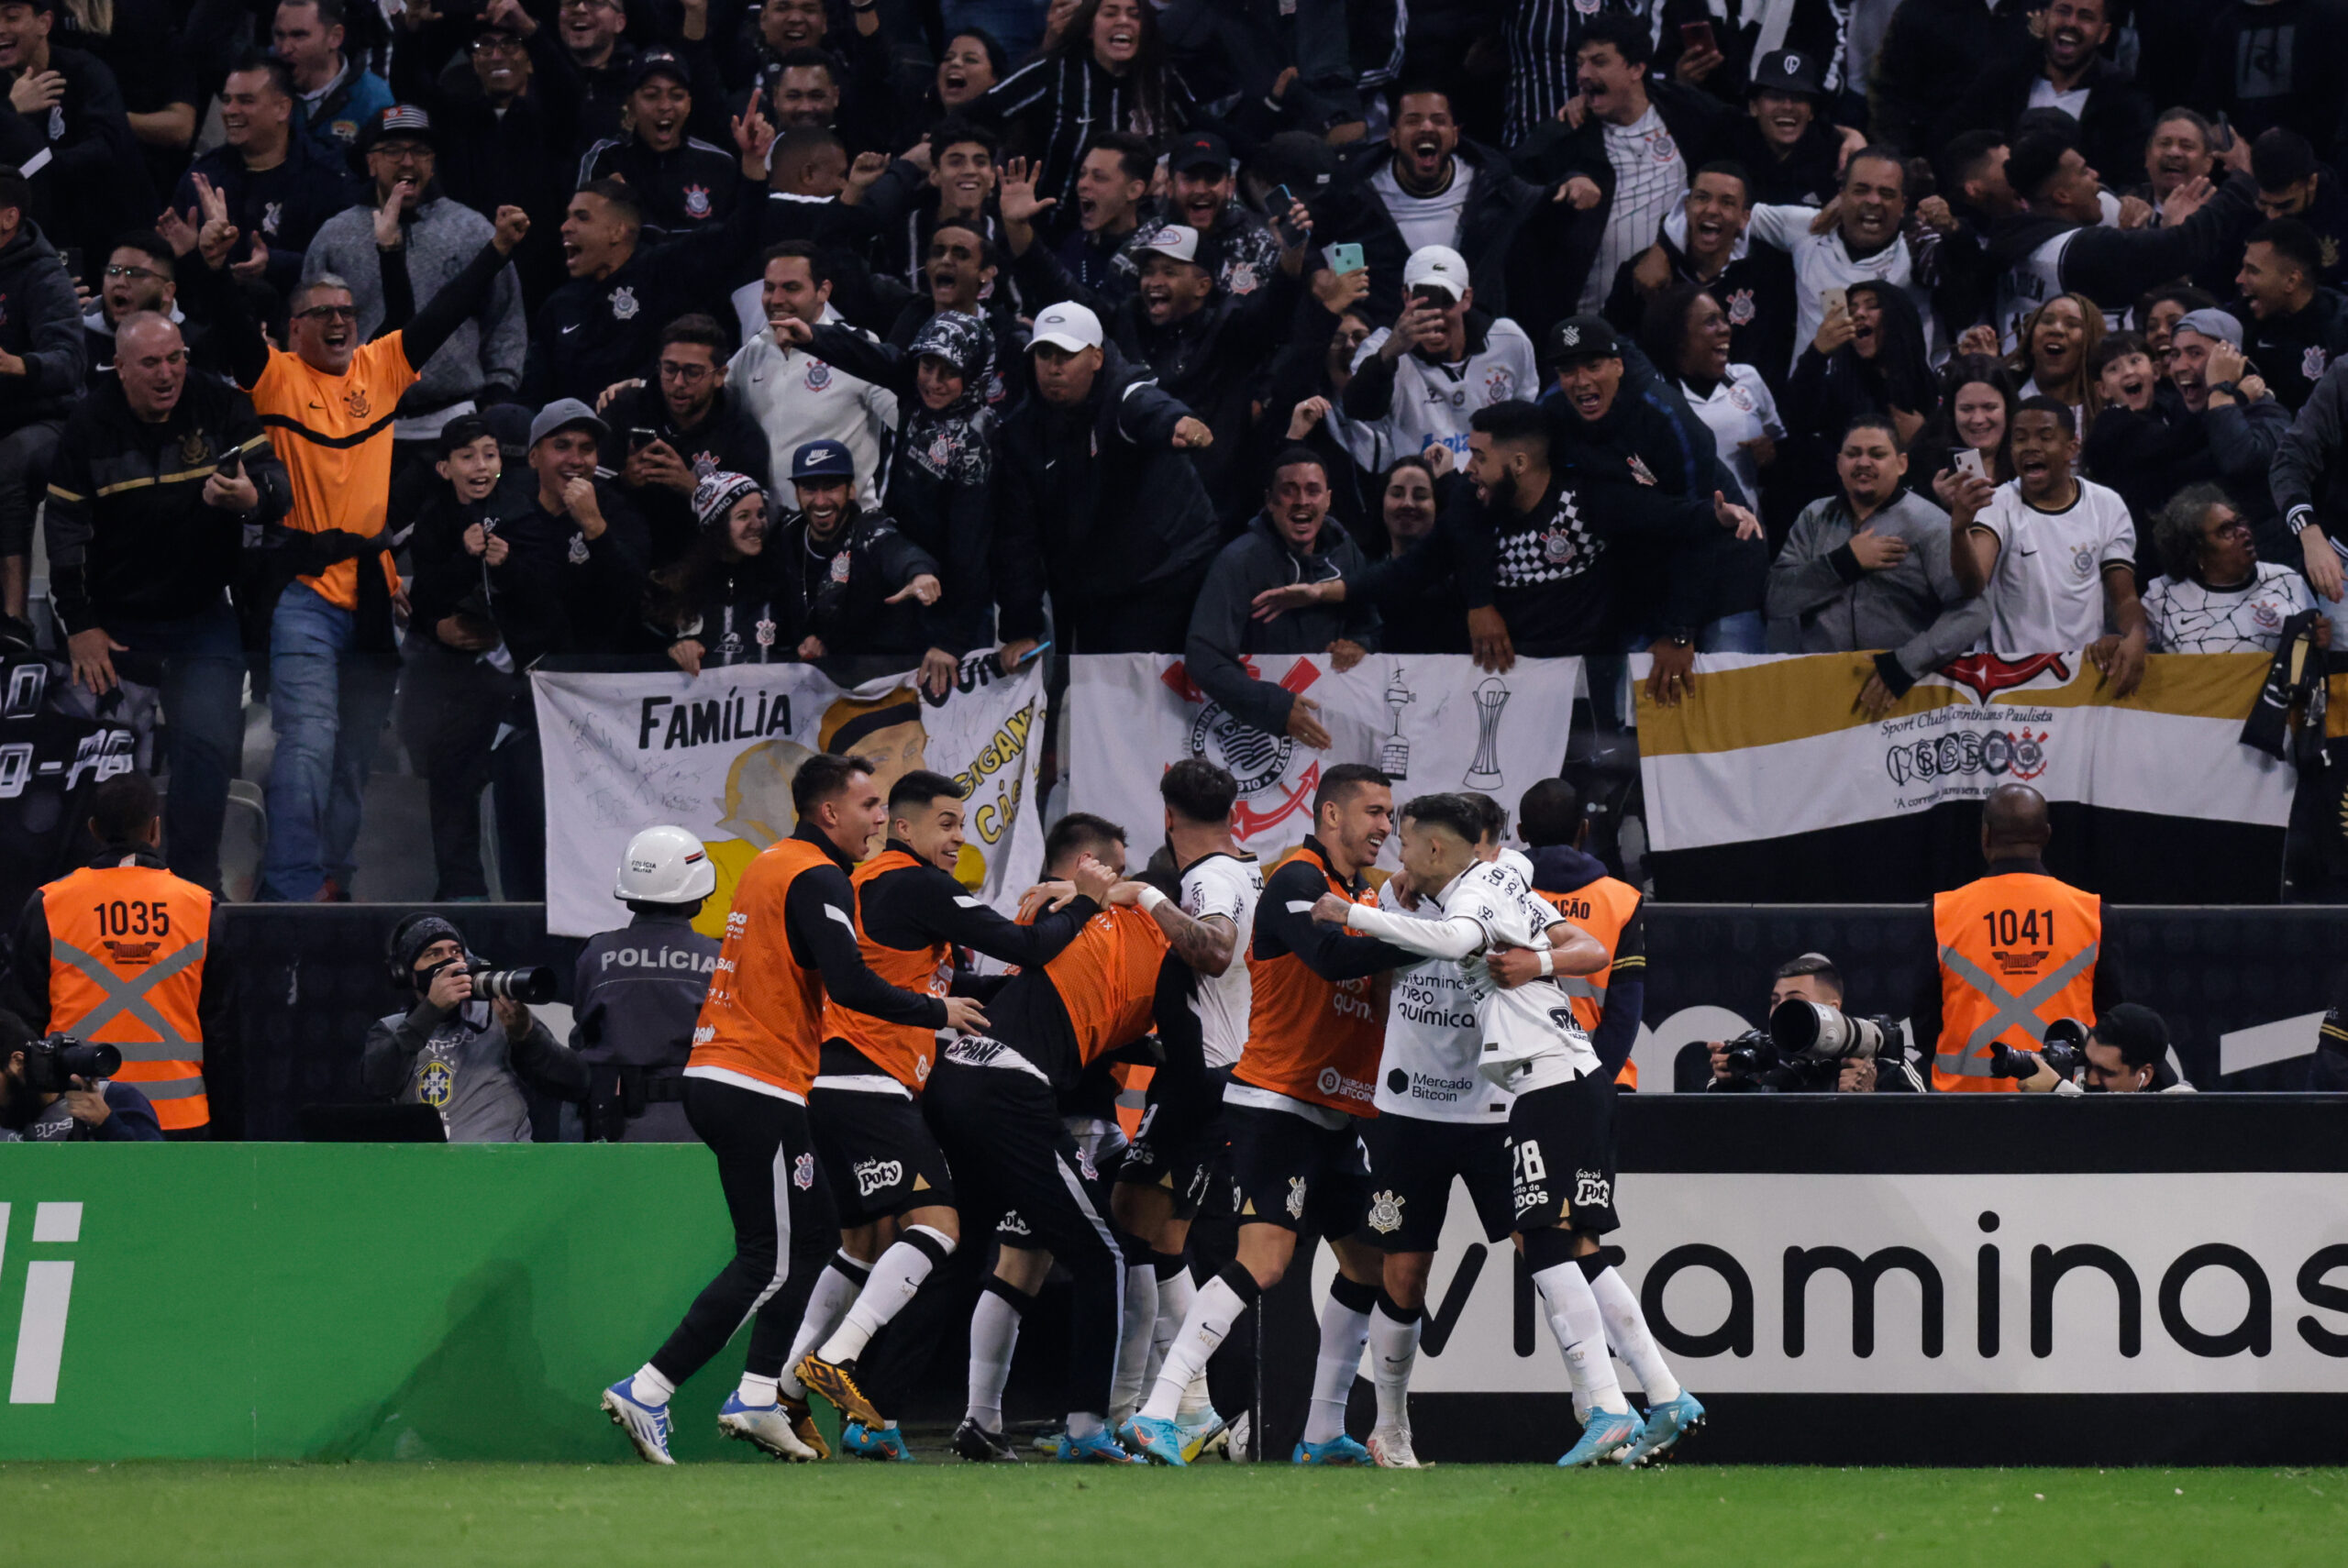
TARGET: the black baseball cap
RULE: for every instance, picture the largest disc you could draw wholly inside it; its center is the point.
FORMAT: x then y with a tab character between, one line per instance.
1788	71
464	431
1579	337
655	62
1200	150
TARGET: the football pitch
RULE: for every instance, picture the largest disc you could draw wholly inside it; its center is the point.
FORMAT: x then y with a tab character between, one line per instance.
1227	1516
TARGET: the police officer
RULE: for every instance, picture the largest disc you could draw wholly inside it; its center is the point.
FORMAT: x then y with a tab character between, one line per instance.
639	988
2017	950
115	953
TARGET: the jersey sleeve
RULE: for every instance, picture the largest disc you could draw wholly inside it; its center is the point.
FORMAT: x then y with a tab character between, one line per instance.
2118	535
388	372
1215	887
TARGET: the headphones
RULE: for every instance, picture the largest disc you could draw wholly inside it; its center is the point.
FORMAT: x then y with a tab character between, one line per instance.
402	975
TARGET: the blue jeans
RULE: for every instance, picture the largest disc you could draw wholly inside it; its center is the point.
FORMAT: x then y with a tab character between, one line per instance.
1744	632
327	704
203	687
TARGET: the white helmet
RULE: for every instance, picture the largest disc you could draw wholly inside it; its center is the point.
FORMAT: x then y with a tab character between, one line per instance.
665	866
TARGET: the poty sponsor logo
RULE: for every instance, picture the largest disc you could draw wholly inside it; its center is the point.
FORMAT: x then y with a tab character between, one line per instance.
877	1175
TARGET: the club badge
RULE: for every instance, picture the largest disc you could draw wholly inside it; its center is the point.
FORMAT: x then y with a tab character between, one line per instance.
623	302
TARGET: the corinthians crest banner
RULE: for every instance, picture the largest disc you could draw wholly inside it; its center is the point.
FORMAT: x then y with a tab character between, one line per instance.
1435	721
716	755
1774	748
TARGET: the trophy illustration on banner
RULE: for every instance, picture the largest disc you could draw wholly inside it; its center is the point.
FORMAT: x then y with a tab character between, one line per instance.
1491	696
1395	757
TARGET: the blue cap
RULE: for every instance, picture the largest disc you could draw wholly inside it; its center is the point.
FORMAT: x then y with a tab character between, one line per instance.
826	458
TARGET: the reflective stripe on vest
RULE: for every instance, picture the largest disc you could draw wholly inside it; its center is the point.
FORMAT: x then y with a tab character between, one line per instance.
1582	985
128	993
2012	1012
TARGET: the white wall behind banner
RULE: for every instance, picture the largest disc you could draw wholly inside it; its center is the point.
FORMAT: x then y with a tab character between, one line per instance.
1435	721
2214	1259
716	753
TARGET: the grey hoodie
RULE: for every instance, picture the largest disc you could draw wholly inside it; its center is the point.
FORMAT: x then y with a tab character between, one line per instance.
1915	609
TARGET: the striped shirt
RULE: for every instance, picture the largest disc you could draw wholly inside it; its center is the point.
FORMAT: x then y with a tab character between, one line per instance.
1650	179
1054	107
1542	38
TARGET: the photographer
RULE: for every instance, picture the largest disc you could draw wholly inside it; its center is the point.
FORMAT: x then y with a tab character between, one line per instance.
465	1058
1812	977
2127	1054
639	988
110	1112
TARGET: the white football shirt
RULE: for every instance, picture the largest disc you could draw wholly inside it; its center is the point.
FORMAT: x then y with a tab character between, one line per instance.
1530	1035
2046	592
1228	885
2187	617
1433	1039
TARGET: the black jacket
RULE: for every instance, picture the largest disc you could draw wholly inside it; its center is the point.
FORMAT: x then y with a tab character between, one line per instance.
40	322
1808	176
129	535
1498	204
729	440
93	182
1755	291
2113	127
1094	500
846	580
1914	85
684	190
1223	631
285	205
2291	352
740	612
561	593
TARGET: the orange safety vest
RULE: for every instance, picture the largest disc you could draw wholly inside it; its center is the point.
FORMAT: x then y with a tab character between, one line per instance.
1311	1039
763	1017
2017	951
125	969
904	1051
1602	908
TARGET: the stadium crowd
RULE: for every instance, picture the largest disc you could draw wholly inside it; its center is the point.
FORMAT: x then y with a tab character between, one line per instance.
360	358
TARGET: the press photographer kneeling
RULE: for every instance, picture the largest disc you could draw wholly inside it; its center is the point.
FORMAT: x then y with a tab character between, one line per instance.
465	1057
2127	1053
59	1090
1811	1045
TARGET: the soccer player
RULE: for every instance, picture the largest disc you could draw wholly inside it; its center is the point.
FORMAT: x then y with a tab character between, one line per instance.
994	1103
1559	1124
1306	1073
891	1183
789	945
1203	991
1437	1120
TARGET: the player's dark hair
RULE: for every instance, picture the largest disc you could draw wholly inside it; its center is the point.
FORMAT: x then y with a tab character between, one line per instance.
801	142
698	327
2042	403
2032	161
1198	792
15	1035
148	243
1417	86
2200	121
1492	817
280	74
1549	813
2136	1032
621	196
1628	34
1079	832
947	132
1340	782
2185	296
16	191
1962	158
122	808
987	255
1878	152
330	12
807	56
1513	420
1134	156
1296	455
2116	346
2294	242
1814	964
1453	812
1882	422
919	787
805	250
1732	169
822	776
2280	159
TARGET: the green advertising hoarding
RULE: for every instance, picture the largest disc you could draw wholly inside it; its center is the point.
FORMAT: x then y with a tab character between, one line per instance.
347	1301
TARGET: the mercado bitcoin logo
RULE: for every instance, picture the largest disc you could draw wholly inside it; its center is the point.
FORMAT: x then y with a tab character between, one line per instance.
1995	754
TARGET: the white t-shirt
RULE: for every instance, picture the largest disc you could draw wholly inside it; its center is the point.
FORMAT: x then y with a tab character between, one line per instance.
1528	1031
2042	96
1424	220
1738	409
2187	617
2046	592
1821	262
1228	885
1432	1036
1433	403
1650	179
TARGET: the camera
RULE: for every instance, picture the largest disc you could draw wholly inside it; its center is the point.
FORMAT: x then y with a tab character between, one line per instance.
1804	1048
530	986
2064	1051
52	1065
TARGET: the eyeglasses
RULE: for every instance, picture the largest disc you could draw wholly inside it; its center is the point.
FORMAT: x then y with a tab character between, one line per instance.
671	370
2229	529
402	152
582	4
326	313
119	271
494	45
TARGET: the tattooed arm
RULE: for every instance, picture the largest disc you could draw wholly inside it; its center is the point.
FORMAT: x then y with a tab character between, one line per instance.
1208	945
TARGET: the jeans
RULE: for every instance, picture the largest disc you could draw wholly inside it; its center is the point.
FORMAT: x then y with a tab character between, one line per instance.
451	706
328	703
1744	632
25	455
203	685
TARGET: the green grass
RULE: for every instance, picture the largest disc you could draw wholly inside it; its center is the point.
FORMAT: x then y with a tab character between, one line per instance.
256	1515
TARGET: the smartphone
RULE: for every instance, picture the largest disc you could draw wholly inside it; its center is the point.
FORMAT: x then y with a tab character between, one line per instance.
2221	135
1835	300
1277	202
1345	259
638	438
1426	296
1696	38
1032	655
231	466
1970	466
71	257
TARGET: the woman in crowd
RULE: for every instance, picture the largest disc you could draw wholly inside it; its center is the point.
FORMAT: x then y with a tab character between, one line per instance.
2055	352
1109	71
1685	333
1977	413
2216	595
726	602
1867	358
1411	498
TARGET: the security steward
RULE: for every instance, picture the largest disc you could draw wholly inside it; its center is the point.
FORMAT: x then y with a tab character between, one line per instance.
115	953
2017	950
1608	1003
638	991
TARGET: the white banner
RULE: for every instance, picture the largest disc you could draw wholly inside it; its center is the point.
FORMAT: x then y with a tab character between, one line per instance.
1434	721
1766	746
2129	1283
716	753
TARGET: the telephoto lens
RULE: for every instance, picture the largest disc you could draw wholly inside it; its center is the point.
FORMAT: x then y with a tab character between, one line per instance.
530	987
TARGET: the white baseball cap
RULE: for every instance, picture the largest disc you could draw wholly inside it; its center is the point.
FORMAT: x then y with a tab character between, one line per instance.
1067	325
1178	240
1439	265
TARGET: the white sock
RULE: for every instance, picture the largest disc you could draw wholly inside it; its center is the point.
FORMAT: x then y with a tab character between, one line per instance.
650	1389
994	1333
1175	1294
895	1278
1136	1329
835	1291
1626	1330
1394	1350
1581	1329
1082	1424
1344	1331
1216	1306
755	1391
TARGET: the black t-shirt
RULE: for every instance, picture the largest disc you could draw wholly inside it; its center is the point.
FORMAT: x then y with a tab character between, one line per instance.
1551	581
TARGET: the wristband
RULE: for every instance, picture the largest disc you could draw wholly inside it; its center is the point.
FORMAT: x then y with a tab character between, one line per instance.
1548	964
1150	899
2298	519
